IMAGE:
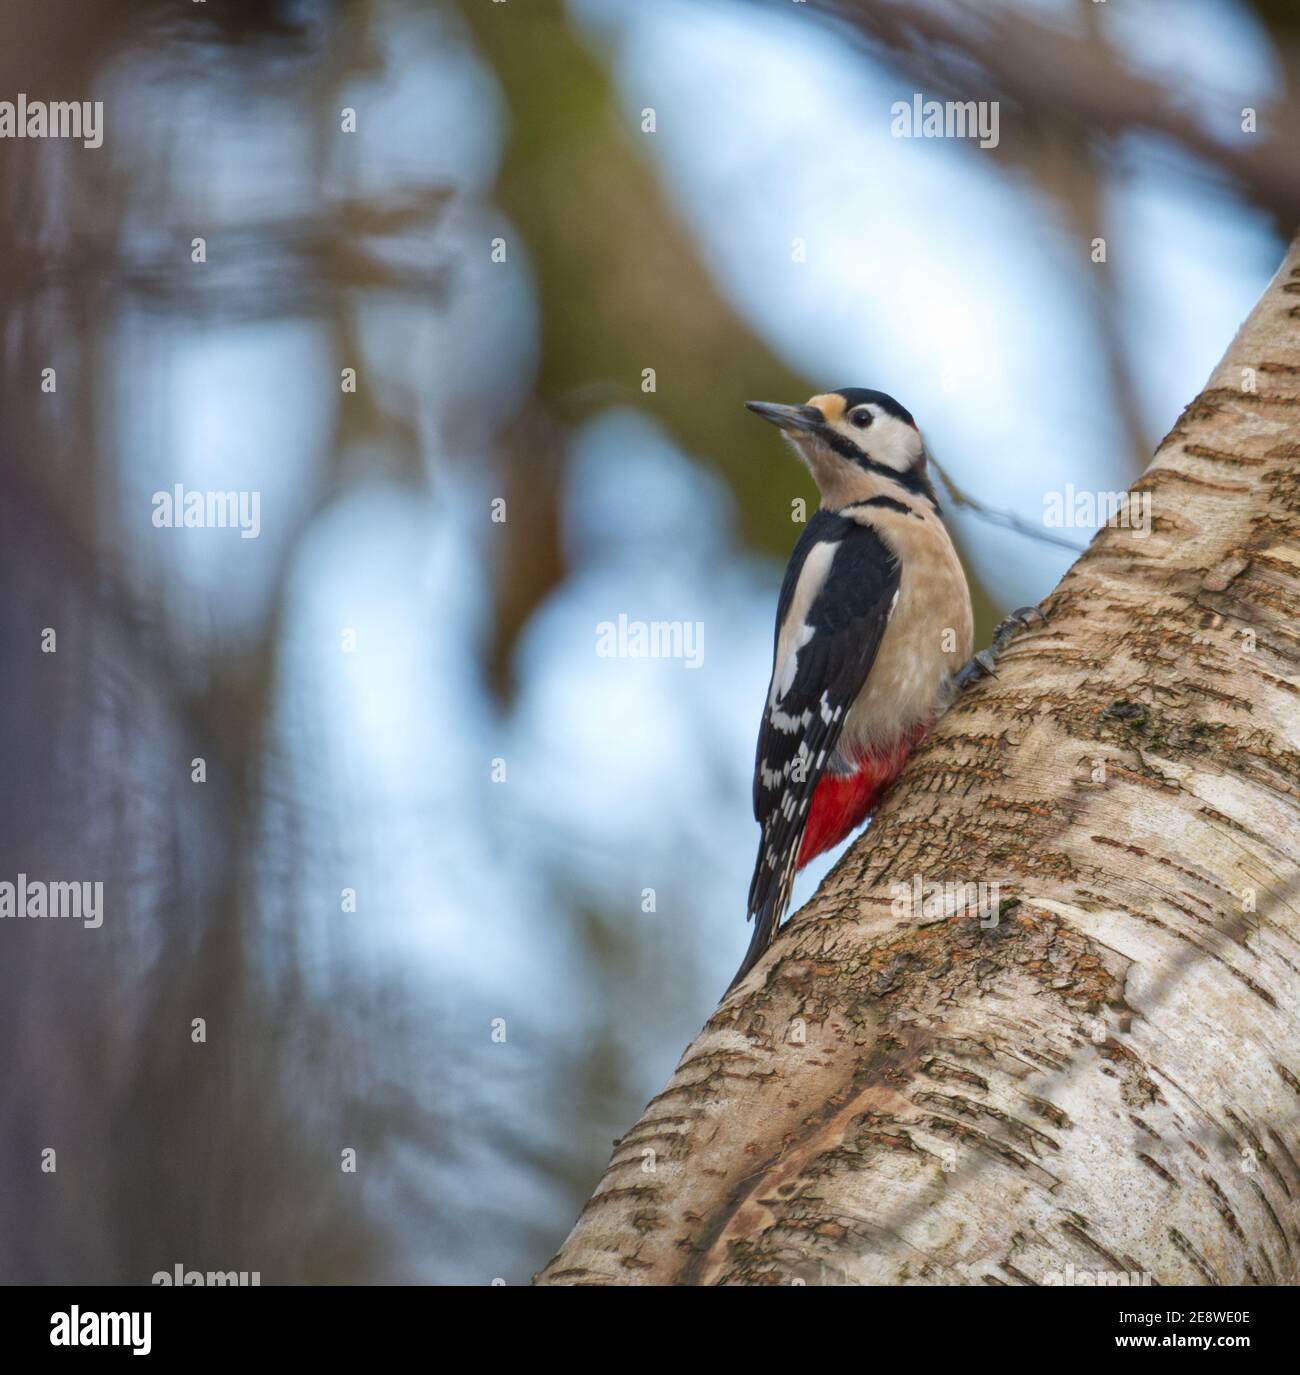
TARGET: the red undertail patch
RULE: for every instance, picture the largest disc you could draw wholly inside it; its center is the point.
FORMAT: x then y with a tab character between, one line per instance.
842	804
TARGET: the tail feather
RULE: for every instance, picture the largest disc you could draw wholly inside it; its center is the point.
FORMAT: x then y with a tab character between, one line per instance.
764	924
766	919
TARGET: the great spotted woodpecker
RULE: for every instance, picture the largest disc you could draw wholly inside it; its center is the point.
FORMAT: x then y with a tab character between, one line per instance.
873	637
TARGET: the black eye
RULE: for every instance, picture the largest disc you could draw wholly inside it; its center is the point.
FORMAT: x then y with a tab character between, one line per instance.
861	418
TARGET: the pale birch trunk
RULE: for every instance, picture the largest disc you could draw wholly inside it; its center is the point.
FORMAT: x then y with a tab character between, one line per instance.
1108	1078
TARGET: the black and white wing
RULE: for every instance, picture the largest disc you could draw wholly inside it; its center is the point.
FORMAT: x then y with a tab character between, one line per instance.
839	591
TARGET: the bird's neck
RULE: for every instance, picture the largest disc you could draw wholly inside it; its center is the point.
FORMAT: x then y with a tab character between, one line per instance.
859	486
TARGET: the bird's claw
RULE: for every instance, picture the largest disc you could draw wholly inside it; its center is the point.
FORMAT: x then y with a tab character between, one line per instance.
1018	620
983	664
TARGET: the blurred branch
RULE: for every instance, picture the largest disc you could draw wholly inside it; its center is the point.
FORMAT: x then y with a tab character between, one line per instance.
1054	75
1008	520
257	269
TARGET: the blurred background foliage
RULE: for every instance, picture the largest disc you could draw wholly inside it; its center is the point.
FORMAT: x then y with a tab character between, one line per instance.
542	842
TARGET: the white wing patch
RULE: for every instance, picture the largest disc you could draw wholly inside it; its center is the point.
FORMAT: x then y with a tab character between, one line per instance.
790	669
796	632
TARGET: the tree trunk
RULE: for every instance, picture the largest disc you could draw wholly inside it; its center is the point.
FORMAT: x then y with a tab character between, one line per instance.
1092	1067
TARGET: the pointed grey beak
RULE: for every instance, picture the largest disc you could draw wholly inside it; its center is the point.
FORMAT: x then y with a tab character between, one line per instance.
788	417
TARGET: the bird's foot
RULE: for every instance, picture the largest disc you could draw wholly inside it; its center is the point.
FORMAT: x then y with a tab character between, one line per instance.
984	664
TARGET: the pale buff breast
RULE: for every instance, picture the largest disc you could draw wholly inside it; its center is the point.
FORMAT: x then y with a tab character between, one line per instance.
909	682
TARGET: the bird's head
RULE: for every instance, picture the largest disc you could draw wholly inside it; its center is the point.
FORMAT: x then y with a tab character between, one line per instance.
851	435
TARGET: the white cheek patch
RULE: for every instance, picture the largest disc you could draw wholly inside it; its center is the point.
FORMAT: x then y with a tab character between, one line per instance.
908	439
887	439
893	442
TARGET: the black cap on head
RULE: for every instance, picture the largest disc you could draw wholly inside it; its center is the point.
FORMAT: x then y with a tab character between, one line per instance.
860	396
